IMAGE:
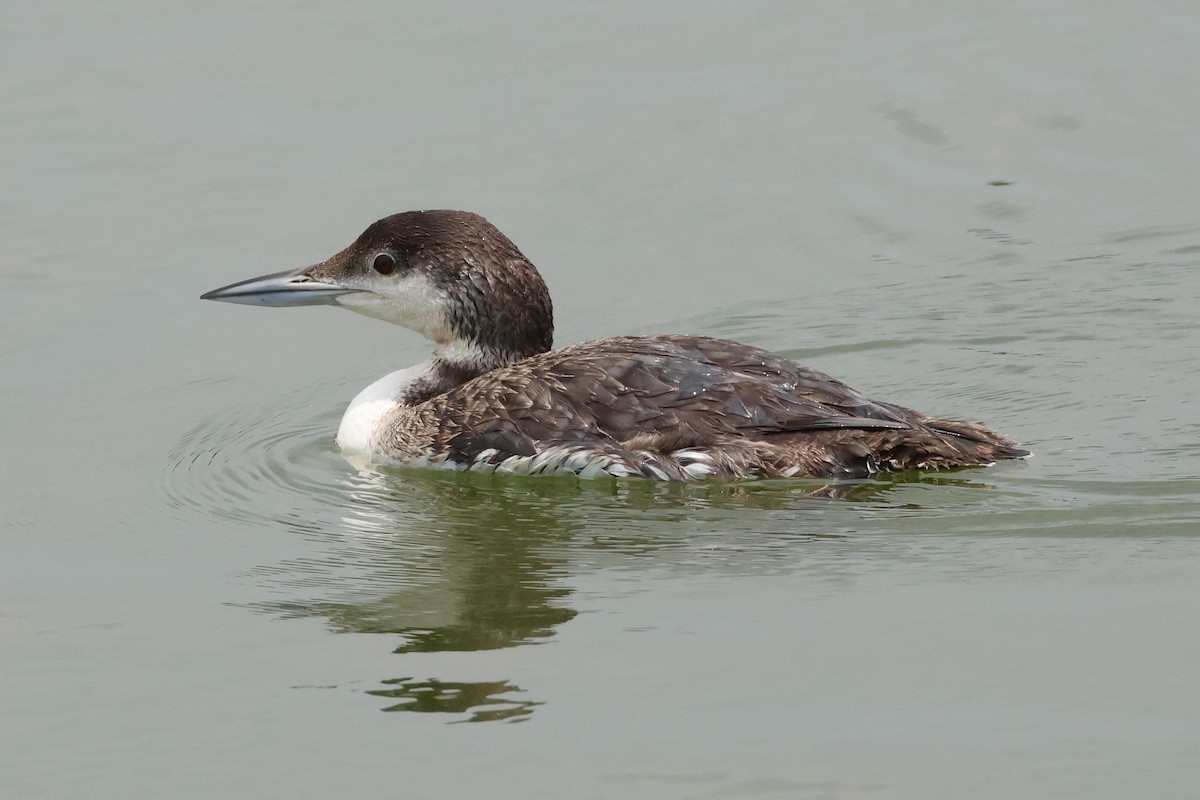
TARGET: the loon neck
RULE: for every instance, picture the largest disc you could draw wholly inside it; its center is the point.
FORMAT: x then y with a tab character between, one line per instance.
370	412
453	364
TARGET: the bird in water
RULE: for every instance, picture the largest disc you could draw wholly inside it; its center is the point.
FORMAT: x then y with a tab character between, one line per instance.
494	396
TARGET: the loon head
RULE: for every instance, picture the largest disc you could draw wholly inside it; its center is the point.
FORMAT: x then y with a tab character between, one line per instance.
449	275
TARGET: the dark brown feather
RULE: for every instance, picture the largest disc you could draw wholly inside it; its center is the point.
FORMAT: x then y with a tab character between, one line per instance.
643	399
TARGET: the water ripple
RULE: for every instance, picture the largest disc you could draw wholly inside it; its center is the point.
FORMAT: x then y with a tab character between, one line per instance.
237	462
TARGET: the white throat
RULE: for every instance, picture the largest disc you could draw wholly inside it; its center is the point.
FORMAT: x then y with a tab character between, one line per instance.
365	419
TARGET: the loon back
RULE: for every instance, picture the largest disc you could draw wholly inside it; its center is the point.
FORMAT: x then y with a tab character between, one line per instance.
494	397
675	408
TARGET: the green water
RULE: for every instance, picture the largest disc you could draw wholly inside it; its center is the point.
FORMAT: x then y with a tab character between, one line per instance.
978	212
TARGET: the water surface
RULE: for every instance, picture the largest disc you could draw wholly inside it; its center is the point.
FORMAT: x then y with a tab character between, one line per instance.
975	211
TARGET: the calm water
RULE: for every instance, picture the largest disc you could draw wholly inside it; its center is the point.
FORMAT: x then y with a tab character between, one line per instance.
976	210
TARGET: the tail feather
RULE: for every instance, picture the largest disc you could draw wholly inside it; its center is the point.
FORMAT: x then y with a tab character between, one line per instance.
985	439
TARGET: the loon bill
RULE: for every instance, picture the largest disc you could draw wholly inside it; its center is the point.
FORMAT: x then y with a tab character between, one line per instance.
494	396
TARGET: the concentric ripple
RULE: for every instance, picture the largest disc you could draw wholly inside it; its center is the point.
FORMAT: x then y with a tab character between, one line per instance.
278	469
238	463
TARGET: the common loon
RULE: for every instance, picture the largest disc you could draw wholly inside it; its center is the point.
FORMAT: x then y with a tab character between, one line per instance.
495	397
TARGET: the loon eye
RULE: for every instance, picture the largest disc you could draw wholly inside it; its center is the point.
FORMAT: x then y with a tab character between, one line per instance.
384	264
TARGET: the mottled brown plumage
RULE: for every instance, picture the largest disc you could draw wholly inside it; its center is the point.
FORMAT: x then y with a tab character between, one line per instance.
641	399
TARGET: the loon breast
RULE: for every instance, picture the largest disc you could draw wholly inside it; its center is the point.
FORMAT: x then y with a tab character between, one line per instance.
365	422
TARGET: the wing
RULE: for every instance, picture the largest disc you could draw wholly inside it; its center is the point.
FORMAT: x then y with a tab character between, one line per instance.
691	390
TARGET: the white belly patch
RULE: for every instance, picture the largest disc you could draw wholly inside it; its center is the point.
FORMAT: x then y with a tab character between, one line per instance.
365	419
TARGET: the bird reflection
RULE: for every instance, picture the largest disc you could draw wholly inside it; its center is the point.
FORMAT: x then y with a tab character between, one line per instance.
486	700
465	562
